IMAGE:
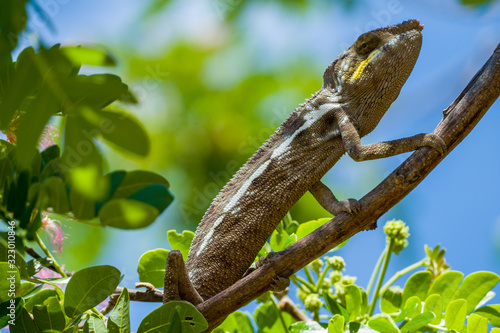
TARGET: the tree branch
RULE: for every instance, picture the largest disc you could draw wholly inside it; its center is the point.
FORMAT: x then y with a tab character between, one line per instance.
459	119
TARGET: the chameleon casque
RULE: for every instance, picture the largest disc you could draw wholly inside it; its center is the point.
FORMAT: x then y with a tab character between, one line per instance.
358	88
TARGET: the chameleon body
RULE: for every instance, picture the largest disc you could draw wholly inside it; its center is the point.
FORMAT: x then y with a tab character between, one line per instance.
358	88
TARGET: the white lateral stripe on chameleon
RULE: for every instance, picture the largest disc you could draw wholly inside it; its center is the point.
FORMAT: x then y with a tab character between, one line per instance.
310	119
232	203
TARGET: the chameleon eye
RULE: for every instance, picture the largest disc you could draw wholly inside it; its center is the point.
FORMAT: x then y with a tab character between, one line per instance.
367	42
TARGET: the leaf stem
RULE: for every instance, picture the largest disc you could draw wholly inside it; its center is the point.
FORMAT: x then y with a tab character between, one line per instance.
308	274
388	253
300	282
375	272
401	273
49	255
321	278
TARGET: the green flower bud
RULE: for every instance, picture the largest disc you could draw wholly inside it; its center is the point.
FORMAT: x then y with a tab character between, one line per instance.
302	295
316	265
398	232
313	302
347	279
336	262
335	276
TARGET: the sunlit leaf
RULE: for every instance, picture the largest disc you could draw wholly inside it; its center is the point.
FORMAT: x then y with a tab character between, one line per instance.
383	324
127	214
417	285
151	267
49	315
454	317
491	312
474	287
181	242
88	56
434	303
136	180
89	287
159	319
119	318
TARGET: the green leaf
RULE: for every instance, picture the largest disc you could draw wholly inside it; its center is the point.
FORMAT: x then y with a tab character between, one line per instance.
94	325
156	195
39	298
22	81
454	317
446	285
96	91
391	300
266	318
236	322
306	327
175	322
127	214
49	316
125	132
37	115
136	180
411	307
306	228
5	310
477	324
23	323
89	287
57	195
25	288
491	312
9	281
417	285
383	323
420	320
6	171
474	287
410	302
434	303
119	318
278	240
159	320
82	207
334	307
19	261
151	267
89	56
495	330
336	324
289	241
49	154
181	242
353	300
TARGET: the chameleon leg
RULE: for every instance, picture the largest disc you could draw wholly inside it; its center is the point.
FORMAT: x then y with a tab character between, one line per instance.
177	285
328	201
358	152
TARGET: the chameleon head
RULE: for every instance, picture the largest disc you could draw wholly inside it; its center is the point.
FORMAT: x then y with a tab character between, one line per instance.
370	73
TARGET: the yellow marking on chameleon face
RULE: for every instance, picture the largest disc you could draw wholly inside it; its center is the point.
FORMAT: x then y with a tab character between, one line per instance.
359	71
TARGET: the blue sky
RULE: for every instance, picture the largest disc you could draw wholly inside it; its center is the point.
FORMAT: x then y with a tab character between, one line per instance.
457	206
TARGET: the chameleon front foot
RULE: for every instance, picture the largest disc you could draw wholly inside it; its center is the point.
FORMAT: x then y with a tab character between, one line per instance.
280	283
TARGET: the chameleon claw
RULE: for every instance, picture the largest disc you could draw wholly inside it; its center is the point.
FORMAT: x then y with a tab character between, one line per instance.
280	283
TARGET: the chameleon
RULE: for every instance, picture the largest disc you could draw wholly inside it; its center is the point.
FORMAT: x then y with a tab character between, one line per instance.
358	88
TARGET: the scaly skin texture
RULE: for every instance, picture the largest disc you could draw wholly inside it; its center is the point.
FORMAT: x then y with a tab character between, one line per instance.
359	86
